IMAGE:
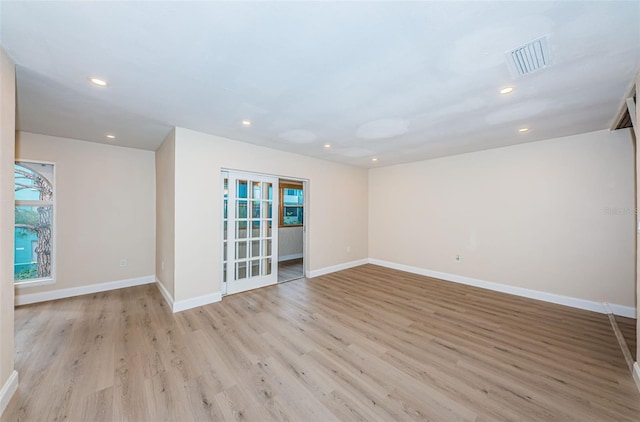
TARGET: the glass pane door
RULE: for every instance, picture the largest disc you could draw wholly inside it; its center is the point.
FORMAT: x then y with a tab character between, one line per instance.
250	235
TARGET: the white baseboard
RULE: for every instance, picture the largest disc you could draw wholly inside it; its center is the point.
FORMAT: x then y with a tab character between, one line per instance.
165	293
194	302
289	257
8	390
518	291
183	305
636	374
25	299
334	268
625	311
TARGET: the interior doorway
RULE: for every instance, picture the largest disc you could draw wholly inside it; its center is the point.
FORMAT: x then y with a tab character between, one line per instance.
291	229
627	329
263	230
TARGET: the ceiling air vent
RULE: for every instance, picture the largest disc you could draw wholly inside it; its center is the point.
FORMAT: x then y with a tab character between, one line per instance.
529	58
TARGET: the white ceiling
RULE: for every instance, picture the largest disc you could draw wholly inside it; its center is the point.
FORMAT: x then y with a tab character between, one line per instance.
398	81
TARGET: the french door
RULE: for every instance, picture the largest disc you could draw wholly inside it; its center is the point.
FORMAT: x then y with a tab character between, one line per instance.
250	238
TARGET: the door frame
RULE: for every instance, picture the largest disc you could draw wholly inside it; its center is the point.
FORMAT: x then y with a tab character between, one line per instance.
306	222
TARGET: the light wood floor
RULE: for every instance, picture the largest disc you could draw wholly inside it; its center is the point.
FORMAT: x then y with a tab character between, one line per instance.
628	329
290	270
362	344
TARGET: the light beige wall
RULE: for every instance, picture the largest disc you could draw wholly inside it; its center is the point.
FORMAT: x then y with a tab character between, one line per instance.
105	209
7	142
531	216
336	212
290	241
637	150
165	212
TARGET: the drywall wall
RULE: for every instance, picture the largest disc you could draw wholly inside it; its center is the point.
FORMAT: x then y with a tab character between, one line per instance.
165	215
104	210
555	216
336	213
7	142
636	131
290	243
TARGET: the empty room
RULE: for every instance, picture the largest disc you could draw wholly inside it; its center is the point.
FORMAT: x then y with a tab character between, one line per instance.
319	211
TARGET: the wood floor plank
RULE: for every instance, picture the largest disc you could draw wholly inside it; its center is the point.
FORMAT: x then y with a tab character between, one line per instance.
368	344
290	270
628	328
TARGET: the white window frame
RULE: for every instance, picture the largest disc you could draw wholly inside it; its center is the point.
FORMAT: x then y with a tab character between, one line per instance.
20	284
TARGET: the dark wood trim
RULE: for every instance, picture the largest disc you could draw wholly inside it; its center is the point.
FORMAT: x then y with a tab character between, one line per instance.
287	184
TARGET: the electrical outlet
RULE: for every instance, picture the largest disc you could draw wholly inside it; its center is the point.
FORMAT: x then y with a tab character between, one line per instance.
123	262
348	249
162	265
458	259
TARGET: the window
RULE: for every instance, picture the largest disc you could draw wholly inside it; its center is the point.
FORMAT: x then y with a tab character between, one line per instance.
291	204
33	232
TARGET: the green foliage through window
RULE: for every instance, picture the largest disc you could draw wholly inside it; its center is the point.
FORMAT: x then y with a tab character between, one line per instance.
33	220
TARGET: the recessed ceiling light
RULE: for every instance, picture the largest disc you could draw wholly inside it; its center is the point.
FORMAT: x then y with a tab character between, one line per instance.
98	81
506	90
327	146
246	123
374	159
524	129
111	136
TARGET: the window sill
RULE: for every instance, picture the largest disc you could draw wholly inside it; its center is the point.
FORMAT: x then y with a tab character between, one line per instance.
33	283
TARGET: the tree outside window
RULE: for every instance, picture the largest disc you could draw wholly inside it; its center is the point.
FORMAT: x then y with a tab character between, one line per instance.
34	195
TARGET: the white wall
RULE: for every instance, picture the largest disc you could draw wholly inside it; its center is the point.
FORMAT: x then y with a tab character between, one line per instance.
105	210
7	135
532	216
290	242
336	213
165	213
